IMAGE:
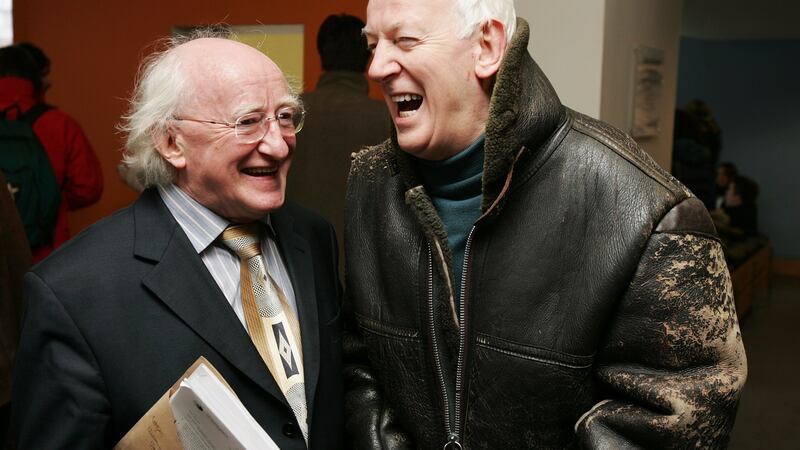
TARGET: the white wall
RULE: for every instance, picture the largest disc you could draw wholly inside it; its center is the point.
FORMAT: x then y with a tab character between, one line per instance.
6	24
586	49
567	43
632	23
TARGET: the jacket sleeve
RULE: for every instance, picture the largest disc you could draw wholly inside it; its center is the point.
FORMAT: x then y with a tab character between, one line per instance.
673	363
59	398
370	423
83	180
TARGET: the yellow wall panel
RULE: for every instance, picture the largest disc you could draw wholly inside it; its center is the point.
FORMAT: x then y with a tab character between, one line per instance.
282	43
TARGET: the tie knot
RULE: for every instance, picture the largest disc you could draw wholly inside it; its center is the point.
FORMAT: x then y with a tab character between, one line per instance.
243	239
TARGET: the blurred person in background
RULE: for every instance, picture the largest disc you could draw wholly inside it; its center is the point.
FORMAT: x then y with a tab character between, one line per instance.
726	172
737	217
24	71
692	160
340	119
42	64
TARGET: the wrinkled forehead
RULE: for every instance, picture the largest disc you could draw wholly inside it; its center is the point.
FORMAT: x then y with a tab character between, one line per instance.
388	15
385	5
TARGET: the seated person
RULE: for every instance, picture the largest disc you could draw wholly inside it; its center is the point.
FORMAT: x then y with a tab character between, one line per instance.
737	218
725	173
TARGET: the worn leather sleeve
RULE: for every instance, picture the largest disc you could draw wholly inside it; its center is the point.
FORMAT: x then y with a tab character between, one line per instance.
59	397
673	364
369	422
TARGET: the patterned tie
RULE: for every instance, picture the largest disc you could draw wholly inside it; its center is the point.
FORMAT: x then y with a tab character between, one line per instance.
270	320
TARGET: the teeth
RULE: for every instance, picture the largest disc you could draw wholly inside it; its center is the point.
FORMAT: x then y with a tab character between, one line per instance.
406	113
259	171
405	97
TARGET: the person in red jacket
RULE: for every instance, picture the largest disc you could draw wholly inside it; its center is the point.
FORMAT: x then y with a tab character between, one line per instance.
74	162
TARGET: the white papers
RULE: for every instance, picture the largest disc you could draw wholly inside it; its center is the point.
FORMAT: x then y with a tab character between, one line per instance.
208	416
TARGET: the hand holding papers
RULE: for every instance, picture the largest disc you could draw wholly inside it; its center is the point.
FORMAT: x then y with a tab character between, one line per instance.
208	416
199	412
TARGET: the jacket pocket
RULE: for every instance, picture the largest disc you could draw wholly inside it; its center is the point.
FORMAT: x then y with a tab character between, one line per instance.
400	362
541	355
375	327
525	396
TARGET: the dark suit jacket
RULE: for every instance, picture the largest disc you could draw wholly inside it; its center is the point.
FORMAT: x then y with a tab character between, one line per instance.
119	313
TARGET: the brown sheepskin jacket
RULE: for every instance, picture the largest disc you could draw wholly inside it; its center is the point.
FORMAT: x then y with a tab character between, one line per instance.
597	305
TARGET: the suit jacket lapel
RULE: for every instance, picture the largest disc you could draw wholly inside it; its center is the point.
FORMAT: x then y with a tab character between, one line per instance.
181	280
297	257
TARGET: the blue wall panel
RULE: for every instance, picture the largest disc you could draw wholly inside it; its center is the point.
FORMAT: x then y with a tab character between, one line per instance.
753	88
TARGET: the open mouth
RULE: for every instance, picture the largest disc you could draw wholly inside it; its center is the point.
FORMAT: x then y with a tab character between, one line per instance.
259	171
407	104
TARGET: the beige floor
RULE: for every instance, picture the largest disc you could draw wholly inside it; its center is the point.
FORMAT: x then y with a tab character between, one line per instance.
769	412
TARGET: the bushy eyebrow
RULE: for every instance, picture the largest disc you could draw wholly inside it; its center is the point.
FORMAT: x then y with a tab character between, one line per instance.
394	29
391	30
287	100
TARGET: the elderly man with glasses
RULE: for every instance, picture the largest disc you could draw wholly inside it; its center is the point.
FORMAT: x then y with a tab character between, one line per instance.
209	262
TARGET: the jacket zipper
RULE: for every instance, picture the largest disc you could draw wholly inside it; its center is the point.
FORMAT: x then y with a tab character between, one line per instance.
462	342
453	428
437	359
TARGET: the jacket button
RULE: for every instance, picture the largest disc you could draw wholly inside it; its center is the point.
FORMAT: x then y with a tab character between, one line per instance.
291	430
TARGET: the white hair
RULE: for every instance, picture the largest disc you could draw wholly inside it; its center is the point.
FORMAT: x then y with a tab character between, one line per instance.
157	95
474	13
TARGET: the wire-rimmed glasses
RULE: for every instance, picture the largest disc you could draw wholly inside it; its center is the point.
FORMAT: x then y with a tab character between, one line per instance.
252	127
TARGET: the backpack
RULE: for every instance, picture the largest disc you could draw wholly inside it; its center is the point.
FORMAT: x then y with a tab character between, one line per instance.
30	176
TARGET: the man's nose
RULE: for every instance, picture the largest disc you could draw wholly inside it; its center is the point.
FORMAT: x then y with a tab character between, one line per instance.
384	64
274	143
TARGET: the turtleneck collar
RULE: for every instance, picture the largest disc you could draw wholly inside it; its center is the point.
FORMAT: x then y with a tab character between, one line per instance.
457	177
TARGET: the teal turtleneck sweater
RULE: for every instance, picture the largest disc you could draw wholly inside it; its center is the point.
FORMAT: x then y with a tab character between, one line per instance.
454	186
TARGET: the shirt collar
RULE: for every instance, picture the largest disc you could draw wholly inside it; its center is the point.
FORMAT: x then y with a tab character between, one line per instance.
201	225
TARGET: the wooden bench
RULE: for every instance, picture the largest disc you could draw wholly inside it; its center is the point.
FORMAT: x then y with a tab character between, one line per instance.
750	279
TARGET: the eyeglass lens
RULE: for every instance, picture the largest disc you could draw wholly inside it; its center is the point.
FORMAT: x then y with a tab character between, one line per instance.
253	126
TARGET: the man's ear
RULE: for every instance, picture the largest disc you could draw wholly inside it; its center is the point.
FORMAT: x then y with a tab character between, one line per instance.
167	146
492	47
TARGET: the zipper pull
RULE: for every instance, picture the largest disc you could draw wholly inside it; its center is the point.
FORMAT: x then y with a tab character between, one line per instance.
453	443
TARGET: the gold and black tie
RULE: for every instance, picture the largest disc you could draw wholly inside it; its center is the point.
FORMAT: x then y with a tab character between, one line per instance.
270	320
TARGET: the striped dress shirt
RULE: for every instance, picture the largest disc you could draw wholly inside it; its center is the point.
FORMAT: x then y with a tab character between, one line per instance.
203	227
